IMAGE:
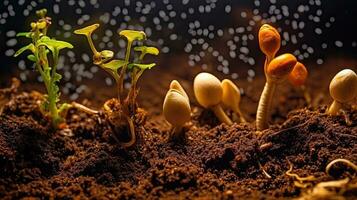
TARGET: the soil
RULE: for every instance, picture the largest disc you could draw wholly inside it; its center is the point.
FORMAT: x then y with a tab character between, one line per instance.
214	161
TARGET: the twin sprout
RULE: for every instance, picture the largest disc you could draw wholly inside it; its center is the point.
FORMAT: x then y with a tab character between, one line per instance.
212	94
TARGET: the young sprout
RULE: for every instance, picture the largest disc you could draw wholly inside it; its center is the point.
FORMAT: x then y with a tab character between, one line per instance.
277	71
131	36
269	42
231	98
343	88
137	69
297	78
122	109
41	47
176	109
103	58
208	91
177	86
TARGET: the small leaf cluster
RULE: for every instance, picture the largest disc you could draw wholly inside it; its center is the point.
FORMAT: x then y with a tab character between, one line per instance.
117	68
45	54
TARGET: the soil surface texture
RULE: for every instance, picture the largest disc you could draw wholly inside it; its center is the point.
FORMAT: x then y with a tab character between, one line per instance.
212	161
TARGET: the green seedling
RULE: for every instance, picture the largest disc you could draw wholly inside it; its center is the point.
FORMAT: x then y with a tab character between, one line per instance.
117	68
45	53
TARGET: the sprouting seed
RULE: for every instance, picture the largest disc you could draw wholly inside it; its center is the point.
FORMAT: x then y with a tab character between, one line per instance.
208	91
231	98
343	88
297	78
269	42
277	71
176	109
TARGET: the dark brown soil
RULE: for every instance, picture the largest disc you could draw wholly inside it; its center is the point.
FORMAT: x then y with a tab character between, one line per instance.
215	161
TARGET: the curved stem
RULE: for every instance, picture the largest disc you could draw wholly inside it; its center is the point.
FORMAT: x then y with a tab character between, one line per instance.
221	115
334	108
91	44
264	106
176	133
240	115
345	161
132	140
268	59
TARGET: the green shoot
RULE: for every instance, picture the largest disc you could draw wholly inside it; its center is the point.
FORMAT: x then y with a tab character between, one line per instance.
42	47
118	68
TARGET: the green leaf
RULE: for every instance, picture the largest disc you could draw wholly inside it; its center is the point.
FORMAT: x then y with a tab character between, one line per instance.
87	30
57	77
141	66
31	57
114	64
132	35
56	93
24	34
30	47
147	50
55	44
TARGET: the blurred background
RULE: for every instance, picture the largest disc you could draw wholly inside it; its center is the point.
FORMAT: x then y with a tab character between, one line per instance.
211	35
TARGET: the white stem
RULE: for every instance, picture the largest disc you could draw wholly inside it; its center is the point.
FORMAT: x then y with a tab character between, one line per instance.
264	106
240	115
176	133
334	108
221	115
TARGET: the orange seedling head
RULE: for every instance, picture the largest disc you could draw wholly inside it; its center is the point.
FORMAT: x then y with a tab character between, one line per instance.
281	66
298	75
269	40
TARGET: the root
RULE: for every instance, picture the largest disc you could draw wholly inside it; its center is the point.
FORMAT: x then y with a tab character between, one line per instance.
323	190
130	122
300	180
84	108
264	172
132	140
332	189
345	161
346	117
